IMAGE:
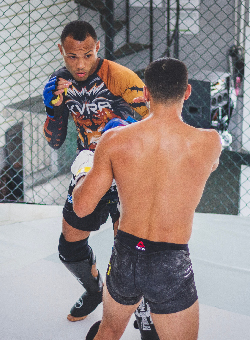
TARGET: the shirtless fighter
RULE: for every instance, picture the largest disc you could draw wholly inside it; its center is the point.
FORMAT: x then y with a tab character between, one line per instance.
160	166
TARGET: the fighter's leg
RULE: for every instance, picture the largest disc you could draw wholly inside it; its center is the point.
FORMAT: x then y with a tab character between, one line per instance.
144	321
115	318
178	326
115	226
79	259
74	235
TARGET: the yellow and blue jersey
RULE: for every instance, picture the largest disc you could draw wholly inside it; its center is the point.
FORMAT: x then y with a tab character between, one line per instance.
108	93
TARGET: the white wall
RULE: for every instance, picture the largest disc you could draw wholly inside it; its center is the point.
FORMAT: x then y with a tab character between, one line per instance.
29	34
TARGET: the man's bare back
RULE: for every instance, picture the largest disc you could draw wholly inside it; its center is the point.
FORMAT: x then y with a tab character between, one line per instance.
160	166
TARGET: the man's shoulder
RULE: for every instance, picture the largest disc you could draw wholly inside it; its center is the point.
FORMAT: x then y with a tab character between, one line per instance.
209	134
119	135
210	142
202	139
110	135
114	70
114	66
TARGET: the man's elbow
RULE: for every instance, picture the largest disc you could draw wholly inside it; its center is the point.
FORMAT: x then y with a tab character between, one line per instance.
55	146
82	209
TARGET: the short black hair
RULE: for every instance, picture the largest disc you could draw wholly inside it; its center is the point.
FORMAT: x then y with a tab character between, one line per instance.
166	79
78	30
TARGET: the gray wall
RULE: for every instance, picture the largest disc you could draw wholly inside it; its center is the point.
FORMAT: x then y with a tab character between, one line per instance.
207	49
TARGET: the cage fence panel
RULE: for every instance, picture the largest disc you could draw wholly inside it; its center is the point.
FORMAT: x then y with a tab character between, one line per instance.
211	37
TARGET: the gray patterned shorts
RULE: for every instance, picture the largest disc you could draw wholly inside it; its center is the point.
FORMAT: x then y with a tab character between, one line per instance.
160	271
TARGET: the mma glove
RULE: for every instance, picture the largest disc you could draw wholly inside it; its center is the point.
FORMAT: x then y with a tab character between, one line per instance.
50	99
84	161
82	164
48	92
118	122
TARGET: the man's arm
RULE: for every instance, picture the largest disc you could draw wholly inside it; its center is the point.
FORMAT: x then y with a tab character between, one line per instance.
55	131
215	144
90	189
55	127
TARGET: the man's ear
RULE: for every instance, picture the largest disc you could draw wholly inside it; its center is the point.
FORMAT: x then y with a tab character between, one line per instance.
146	94
60	49
188	92
98	46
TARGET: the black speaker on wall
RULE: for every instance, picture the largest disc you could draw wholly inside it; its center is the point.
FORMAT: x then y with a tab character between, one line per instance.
208	104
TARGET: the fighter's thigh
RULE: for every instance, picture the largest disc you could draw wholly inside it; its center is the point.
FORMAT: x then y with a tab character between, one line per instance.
178	326
72	234
115	226
115	317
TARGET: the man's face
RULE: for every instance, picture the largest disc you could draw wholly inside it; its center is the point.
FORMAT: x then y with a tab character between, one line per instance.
80	57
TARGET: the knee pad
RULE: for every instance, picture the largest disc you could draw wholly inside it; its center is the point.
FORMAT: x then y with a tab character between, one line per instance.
74	251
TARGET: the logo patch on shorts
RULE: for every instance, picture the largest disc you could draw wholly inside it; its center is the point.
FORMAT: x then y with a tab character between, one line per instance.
70	199
109	269
140	246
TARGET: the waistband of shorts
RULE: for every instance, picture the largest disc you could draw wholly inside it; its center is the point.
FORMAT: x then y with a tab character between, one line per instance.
143	245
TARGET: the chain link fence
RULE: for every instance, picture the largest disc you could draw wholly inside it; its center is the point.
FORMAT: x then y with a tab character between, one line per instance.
211	37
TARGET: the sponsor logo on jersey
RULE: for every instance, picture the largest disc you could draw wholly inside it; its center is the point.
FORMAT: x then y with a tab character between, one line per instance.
87	102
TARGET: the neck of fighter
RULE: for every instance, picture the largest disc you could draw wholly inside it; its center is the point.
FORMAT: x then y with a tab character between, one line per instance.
168	112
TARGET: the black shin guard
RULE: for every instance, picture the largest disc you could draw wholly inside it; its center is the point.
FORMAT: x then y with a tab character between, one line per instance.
92	297
144	322
82	272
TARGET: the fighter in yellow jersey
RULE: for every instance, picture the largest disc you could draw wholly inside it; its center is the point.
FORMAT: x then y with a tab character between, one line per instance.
93	91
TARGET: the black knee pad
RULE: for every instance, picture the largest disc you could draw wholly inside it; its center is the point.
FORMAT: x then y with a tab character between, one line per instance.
74	251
